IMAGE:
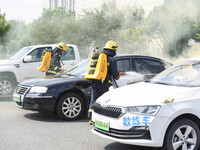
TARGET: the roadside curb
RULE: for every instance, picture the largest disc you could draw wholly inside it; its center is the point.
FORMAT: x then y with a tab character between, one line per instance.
5	97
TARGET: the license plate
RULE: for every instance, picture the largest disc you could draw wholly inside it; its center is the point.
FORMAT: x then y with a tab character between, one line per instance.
103	125
16	97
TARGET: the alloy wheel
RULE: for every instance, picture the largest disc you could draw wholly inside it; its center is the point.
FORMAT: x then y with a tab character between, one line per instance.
184	138
5	87
71	107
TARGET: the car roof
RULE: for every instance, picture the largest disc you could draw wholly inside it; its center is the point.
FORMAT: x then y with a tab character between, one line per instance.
46	45
140	56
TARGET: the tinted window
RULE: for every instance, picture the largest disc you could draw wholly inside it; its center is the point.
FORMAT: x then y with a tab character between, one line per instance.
144	65
123	65
69	54
37	53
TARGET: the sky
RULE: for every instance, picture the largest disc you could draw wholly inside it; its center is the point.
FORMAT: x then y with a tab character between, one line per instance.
25	10
28	10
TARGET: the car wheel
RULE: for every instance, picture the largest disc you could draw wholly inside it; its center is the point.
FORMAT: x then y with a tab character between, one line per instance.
70	107
7	85
182	135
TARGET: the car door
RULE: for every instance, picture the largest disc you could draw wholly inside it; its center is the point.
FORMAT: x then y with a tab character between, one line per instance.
29	68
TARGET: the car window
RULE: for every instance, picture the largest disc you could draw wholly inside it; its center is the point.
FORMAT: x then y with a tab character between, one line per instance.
37	53
21	53
123	65
69	54
143	65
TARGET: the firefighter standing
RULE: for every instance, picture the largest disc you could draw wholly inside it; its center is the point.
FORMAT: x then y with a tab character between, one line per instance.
55	66
99	87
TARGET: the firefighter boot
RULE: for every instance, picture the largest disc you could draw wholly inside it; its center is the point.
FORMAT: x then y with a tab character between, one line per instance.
90	121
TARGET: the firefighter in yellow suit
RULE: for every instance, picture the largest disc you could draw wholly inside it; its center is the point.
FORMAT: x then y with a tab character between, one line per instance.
55	64
99	88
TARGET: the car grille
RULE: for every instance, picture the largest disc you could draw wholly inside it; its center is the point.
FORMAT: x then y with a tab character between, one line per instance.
21	89
113	112
126	134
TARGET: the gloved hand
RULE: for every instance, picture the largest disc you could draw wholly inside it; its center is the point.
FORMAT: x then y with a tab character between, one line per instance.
61	71
121	73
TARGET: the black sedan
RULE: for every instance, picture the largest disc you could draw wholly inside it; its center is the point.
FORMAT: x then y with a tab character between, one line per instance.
69	95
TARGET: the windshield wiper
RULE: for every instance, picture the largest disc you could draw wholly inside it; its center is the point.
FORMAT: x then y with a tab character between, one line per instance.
68	74
161	83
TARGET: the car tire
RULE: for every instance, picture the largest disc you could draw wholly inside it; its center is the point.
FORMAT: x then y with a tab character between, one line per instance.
7	85
70	107
182	134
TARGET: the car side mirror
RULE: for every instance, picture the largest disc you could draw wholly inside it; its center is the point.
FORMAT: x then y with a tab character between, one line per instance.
28	58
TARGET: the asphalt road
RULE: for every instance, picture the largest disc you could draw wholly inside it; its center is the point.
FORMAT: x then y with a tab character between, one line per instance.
27	130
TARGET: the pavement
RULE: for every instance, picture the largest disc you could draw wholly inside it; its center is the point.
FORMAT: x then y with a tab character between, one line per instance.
29	130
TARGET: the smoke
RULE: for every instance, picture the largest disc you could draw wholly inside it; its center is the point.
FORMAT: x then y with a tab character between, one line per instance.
167	32
174	34
192	51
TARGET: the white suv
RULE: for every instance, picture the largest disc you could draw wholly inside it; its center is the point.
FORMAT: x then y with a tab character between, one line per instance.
164	112
23	65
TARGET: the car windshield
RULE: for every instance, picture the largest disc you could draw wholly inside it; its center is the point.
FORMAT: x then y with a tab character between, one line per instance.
183	74
20	53
79	69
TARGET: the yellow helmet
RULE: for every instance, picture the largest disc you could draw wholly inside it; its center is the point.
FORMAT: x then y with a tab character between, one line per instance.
111	45
62	46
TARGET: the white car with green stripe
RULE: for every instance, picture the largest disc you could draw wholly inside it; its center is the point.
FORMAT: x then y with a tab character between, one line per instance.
163	112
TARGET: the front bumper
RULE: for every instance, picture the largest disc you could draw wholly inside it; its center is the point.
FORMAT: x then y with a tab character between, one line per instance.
132	133
36	102
151	134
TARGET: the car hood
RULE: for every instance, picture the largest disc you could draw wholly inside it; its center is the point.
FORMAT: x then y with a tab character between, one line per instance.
50	81
144	94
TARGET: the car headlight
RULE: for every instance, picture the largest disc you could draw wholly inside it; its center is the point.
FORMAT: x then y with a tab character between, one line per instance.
145	110
38	89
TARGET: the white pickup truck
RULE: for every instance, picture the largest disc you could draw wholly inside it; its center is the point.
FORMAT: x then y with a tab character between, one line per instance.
23	65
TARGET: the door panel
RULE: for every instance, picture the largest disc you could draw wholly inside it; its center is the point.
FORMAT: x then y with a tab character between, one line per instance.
29	69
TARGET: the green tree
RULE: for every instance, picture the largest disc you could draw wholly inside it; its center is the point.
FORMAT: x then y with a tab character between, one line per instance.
97	26
50	26
4	28
94	28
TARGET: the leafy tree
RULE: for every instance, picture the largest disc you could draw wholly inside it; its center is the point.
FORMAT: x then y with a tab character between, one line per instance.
4	28
94	28
49	27
100	25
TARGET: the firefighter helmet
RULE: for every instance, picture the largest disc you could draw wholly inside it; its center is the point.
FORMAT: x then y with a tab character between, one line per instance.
111	45
62	46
